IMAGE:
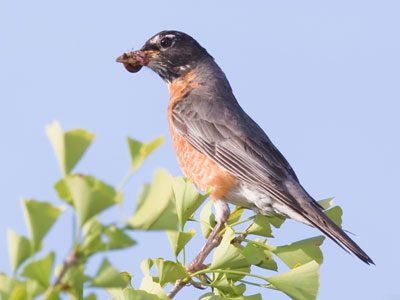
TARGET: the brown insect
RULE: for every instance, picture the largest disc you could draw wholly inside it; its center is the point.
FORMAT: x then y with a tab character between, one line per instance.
133	61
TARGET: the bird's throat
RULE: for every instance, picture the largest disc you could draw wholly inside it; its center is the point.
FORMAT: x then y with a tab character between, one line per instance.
182	86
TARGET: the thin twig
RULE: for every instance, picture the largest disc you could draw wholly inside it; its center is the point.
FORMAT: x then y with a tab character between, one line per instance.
70	261
179	284
124	181
243	235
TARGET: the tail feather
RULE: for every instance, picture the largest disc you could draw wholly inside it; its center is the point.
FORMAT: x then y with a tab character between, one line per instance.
307	210
318	219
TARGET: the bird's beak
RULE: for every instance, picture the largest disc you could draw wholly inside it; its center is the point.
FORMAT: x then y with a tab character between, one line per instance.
133	61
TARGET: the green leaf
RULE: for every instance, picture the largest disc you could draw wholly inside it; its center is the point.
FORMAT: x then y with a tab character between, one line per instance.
40	270
301	283
268	261
91	297
69	146
7	286
150	286
127	277
235	215
92	242
62	190
140	151
253	253
169	271
12	289
335	214
117	238
39	217
227	255
99	237
19	248
178	239
187	199
108	277
19	292
211	296
227	287
117	293
326	203
34	289
156	208
276	221
146	265
263	244
301	252
253	297
260	226
73	281
207	219
144	193
90	196
54	295
119	197
131	294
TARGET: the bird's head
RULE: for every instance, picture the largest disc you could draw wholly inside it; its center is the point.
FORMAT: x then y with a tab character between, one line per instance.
171	54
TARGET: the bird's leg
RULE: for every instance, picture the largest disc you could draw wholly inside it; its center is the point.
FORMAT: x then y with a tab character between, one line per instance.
221	216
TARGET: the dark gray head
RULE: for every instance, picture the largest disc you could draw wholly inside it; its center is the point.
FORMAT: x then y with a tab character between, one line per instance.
169	53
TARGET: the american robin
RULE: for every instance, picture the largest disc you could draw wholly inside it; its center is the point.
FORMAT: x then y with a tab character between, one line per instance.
217	144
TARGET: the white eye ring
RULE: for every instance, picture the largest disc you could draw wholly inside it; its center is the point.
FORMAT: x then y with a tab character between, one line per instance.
166	42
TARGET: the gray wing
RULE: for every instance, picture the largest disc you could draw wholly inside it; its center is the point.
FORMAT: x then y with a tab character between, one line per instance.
227	135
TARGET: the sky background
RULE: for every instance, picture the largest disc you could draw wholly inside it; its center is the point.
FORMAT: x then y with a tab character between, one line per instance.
321	78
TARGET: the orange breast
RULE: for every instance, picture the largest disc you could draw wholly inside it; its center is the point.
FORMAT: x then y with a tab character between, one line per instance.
202	170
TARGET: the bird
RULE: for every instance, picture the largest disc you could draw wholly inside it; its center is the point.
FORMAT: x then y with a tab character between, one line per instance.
218	144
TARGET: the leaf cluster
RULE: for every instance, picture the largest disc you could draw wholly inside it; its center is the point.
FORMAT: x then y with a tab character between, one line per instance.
240	260
243	258
34	272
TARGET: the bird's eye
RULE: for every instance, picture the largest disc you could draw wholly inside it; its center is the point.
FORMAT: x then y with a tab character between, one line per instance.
166	42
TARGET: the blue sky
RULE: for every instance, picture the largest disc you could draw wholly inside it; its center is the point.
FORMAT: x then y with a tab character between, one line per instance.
322	79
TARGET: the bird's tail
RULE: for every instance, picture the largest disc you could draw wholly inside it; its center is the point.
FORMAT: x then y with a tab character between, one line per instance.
313	214
319	220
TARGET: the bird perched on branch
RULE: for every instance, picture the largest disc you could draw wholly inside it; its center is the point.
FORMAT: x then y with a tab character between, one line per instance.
217	144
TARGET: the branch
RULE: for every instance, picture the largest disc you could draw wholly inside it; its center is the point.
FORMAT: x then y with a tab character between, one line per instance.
70	261
197	263
242	236
180	283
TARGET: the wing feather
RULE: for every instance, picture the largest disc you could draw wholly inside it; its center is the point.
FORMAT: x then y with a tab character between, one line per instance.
231	138
234	141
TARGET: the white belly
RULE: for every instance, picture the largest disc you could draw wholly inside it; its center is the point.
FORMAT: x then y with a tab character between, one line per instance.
247	196
250	197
